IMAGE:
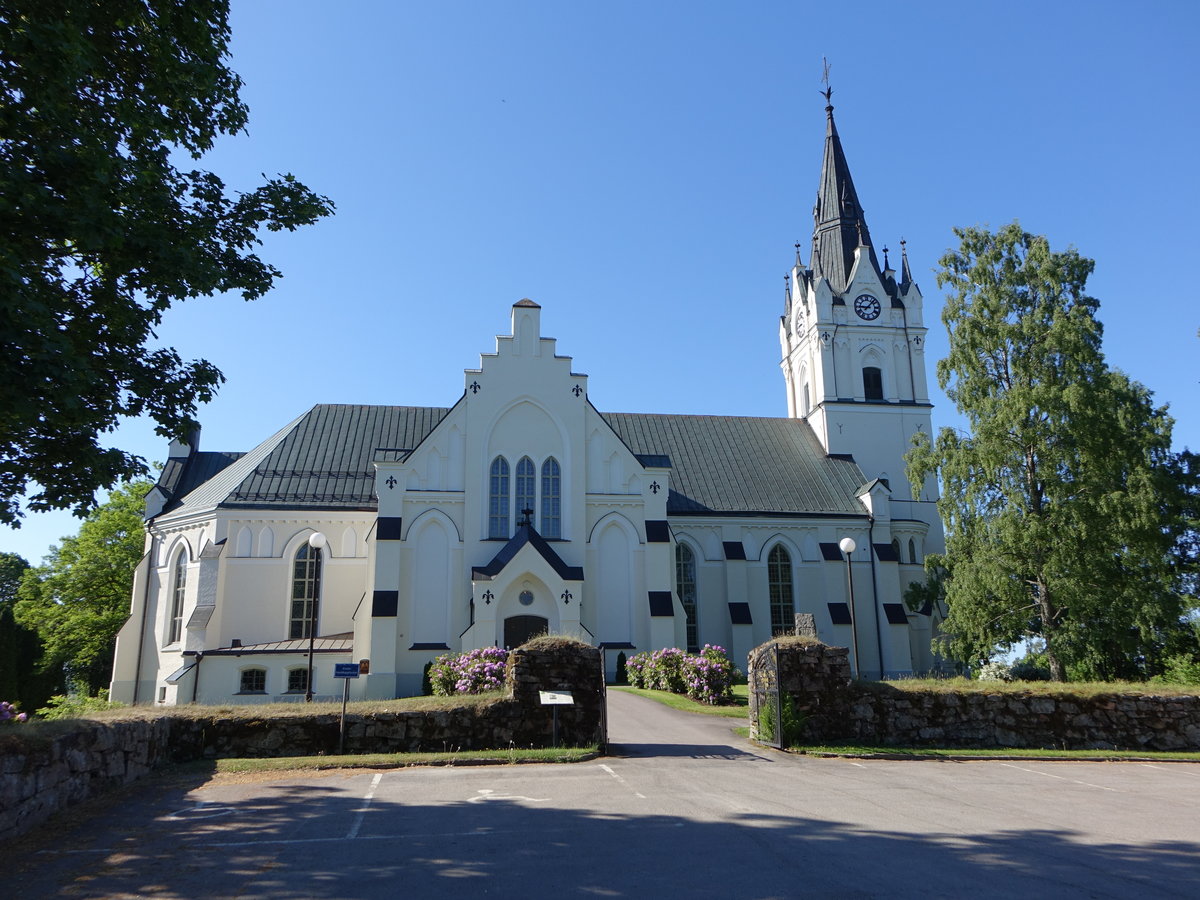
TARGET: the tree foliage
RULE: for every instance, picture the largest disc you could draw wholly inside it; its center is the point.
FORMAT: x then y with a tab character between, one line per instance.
78	599
100	233
1063	504
20	649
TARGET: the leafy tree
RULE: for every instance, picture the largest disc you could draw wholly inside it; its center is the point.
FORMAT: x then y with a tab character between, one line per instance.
20	648
1062	505
100	233
78	599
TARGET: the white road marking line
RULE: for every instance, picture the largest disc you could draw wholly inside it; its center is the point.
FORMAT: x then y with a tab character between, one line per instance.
1174	769
1064	778
201	810
362	810
486	794
609	770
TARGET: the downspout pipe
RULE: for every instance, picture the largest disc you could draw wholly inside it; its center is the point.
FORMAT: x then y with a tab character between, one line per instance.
196	677
148	559
875	592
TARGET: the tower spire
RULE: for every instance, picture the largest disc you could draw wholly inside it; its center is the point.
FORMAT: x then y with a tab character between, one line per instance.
905	273
839	225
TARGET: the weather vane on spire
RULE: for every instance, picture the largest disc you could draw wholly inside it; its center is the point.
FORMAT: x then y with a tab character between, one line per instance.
828	92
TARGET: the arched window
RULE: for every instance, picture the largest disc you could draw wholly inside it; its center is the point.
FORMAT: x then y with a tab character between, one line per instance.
253	681
297	681
872	383
685	587
178	590
779	577
526	485
551	499
912	551
896	549
306	591
806	408
498	499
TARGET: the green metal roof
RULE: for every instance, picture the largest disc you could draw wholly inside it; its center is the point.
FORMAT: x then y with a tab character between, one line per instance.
718	464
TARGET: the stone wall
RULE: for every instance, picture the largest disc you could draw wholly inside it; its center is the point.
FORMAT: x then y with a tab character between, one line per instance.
40	776
834	708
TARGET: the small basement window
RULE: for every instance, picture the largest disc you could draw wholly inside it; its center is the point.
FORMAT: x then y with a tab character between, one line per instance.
254	681
297	681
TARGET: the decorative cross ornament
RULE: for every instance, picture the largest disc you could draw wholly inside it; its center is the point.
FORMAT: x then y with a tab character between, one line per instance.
825	338
917	341
391	482
474	387
655	487
566	596
528	517
488	597
577	390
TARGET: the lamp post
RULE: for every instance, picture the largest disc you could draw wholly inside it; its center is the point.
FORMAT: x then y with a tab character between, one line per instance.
847	546
316	542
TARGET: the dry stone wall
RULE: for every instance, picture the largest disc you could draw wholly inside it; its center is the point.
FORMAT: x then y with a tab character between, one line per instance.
38	778
832	708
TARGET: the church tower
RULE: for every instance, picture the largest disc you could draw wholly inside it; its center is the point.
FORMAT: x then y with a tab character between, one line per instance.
853	341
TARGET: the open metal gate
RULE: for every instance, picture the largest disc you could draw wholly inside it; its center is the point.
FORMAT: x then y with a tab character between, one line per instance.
767	704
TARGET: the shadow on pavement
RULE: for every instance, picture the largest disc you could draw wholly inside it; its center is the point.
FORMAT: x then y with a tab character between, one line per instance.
319	838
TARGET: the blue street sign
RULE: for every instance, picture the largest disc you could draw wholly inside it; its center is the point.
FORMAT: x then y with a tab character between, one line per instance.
345	670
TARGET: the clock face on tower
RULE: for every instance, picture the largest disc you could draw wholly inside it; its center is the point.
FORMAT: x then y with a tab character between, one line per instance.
866	306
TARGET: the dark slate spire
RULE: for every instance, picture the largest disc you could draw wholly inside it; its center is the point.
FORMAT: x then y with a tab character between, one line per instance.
839	225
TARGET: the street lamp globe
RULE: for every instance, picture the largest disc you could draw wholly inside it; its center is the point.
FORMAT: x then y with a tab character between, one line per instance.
847	544
317	540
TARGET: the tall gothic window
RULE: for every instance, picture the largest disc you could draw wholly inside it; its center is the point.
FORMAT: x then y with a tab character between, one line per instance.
896	549
551	499
912	551
526	486
685	587
178	590
872	382
498	499
779	578
306	591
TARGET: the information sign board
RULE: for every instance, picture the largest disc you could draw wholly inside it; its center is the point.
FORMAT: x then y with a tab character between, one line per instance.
345	670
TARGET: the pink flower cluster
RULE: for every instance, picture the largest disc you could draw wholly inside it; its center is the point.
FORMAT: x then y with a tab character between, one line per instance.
8	712
706	677
473	672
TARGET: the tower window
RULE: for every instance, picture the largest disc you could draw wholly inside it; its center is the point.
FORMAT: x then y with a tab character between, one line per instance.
498	499
306	588
912	551
779	578
807	400
178	590
872	383
685	587
526	485
551	499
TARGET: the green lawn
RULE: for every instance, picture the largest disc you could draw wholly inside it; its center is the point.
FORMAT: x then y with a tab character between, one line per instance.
511	756
735	710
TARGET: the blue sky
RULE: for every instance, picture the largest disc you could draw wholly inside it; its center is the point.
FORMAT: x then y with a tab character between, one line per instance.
642	170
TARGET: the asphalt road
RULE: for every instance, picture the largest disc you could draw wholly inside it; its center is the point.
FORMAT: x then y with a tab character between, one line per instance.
682	808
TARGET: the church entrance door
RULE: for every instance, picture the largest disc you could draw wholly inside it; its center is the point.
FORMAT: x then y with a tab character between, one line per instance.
519	629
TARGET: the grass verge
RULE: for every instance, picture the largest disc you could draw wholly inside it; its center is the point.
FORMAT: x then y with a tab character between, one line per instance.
736	710
1039	688
993	753
513	756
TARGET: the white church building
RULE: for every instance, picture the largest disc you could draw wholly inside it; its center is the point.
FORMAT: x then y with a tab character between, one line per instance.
395	534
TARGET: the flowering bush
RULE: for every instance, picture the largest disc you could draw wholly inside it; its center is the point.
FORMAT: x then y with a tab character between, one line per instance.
8	712
706	677
473	672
